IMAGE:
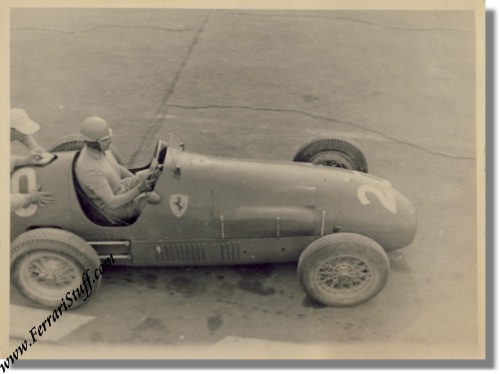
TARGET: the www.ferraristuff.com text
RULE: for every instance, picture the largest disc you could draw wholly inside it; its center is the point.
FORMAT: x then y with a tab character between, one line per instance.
81	293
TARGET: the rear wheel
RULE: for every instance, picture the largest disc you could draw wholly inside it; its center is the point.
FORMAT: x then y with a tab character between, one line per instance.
75	142
343	269
334	152
46	264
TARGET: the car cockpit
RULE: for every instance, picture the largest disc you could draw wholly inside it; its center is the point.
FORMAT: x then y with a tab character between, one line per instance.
93	212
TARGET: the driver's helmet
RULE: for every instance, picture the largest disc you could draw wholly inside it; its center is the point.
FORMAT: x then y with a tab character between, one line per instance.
94	129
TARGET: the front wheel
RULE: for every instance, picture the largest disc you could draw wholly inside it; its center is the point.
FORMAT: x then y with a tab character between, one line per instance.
343	269
47	264
334	152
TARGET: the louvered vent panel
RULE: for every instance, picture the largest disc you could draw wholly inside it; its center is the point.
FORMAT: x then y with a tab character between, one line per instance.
230	251
182	252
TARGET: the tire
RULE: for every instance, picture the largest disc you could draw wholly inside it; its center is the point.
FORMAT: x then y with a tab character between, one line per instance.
343	269
61	254
335	152
75	142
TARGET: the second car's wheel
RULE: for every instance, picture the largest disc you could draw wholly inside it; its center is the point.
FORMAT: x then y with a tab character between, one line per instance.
46	264
335	152
75	142
343	269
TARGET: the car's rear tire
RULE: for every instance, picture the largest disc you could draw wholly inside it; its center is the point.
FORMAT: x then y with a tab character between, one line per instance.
343	269
48	263
334	152
75	142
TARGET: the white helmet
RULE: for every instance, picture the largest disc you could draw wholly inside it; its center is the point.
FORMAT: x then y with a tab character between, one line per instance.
95	128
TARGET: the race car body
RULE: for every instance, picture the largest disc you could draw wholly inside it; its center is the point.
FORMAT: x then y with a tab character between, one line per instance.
222	211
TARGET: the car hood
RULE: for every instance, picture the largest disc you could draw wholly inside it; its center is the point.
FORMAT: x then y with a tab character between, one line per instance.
261	198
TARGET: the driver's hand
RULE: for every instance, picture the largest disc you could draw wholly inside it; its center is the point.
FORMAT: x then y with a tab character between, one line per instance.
146	185
143	173
147	174
154	175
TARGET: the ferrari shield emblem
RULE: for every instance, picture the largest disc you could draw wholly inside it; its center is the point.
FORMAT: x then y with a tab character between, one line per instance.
178	204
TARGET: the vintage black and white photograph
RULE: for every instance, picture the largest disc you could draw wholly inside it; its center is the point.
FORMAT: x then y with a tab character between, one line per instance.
245	182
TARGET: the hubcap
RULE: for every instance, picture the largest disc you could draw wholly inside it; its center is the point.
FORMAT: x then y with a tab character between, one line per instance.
343	275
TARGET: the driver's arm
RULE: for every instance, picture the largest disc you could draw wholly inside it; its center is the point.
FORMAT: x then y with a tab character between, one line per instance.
124	172
115	201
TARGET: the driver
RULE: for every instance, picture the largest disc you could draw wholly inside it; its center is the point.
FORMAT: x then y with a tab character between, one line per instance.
111	187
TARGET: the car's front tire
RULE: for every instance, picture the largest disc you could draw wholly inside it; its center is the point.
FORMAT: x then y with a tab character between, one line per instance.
343	269
334	152
48	263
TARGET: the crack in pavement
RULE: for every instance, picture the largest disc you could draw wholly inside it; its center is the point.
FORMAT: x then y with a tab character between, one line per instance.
98	27
329	119
353	20
162	110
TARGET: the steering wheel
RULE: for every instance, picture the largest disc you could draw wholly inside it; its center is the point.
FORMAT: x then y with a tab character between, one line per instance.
154	170
158	158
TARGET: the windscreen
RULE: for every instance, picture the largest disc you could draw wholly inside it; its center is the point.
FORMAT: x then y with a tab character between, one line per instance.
175	148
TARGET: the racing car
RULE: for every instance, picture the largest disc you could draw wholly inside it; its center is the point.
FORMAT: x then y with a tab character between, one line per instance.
321	209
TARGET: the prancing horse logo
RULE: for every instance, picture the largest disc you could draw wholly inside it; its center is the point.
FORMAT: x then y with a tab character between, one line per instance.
178	204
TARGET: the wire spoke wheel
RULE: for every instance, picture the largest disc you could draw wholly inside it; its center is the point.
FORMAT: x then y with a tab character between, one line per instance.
49	274
333	159
48	263
343	275
343	269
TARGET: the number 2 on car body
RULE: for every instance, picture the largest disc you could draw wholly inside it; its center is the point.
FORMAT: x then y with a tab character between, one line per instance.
387	198
15	187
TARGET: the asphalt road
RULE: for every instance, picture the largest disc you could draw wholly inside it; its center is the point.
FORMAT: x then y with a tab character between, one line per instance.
256	84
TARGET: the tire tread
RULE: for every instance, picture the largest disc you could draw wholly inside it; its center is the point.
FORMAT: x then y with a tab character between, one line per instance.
338	143
60	241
